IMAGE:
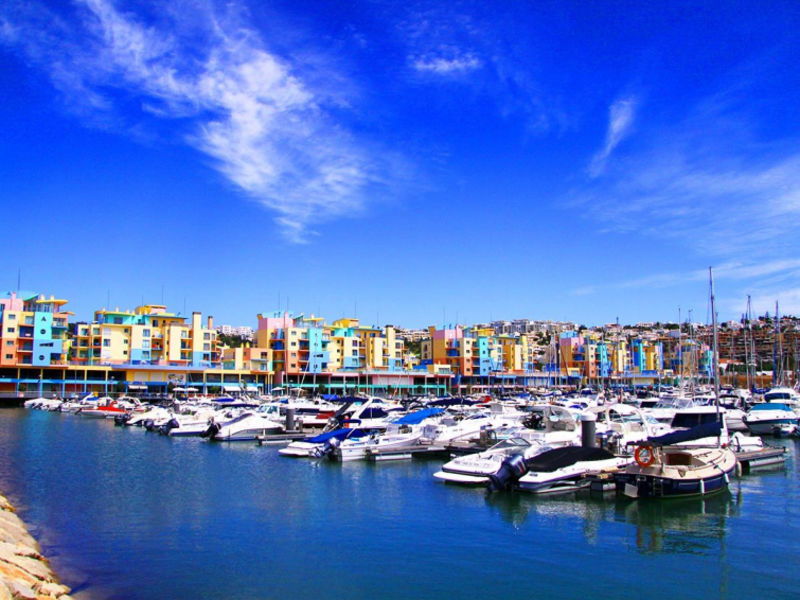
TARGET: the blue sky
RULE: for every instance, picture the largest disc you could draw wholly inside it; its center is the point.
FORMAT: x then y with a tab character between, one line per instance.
405	162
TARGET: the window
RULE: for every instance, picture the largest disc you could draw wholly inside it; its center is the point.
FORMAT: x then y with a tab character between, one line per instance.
9	356
145	333
41	357
12	317
11	329
106	343
117	320
155	323
9	343
43	331
206	336
125	341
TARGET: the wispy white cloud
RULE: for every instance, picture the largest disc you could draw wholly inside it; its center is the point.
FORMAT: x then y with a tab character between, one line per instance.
267	130
452	41
620	119
441	65
704	182
730	271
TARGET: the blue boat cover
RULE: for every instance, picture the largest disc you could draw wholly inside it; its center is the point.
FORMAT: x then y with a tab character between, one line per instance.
419	416
339	434
695	433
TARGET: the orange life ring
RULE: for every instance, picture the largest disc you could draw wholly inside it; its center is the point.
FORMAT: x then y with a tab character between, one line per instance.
649	456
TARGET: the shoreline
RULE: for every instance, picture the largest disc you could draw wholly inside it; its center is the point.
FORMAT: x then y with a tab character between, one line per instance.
24	572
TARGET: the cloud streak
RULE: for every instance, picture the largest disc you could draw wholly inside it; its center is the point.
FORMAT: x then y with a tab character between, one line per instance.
267	130
620	119
447	66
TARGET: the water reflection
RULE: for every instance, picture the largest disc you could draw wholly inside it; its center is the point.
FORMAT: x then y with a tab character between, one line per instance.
692	525
689	525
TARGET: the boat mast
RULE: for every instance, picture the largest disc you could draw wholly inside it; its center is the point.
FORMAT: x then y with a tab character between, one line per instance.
775	357
715	358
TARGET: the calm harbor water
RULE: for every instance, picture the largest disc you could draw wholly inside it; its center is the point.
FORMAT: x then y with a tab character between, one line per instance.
123	513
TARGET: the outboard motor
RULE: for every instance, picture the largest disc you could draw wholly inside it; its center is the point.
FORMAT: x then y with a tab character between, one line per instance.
122	419
149	424
328	448
212	431
168	426
511	469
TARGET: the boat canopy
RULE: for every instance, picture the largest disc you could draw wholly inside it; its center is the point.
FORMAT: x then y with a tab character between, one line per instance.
419	416
338	434
558	458
695	433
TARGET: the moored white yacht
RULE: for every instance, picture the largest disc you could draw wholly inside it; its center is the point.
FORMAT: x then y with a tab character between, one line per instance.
475	469
245	427
771	418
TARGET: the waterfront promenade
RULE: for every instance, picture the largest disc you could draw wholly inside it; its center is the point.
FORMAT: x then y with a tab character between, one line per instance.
24	572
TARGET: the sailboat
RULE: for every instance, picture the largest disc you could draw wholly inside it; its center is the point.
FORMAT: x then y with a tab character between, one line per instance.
664	469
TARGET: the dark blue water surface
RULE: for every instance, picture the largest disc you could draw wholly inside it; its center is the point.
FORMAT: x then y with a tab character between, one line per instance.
123	513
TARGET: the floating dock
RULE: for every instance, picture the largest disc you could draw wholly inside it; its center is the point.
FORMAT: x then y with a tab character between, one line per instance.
281	438
418	451
759	459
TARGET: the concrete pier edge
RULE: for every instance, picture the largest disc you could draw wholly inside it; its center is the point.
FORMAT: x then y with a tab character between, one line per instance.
24	573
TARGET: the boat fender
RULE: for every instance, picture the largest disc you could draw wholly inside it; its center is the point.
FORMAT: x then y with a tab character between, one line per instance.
644	456
149	424
121	419
511	469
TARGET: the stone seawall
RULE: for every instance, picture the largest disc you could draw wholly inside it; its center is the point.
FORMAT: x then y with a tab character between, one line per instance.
24	572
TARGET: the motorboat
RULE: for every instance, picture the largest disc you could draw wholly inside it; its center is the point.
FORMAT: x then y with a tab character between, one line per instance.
320	445
784	395
619	425
196	423
246	427
565	470
103	408
453	429
771	418
42	403
154	413
663	468
688	418
475	469
399	434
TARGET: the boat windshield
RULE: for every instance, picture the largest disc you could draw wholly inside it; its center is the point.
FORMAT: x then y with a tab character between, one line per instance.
771	406
511	443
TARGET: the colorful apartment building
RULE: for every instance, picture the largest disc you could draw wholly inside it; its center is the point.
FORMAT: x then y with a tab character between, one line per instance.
306	345
148	335
474	353
33	330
